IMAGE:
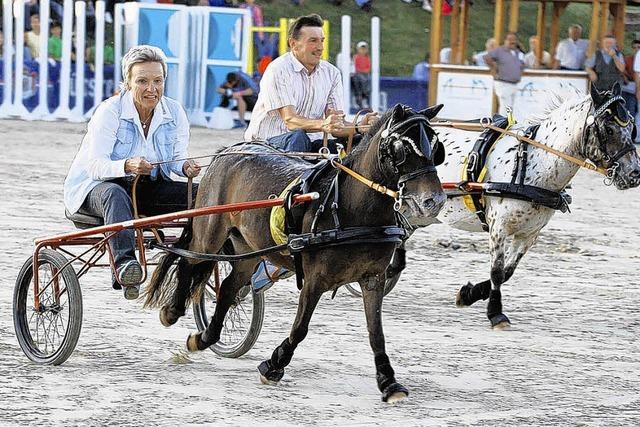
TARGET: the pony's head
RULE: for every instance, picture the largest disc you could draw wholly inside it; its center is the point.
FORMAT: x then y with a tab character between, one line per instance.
408	151
608	138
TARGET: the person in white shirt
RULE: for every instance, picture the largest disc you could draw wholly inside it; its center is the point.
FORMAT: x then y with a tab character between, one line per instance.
125	136
489	45
301	95
572	51
531	58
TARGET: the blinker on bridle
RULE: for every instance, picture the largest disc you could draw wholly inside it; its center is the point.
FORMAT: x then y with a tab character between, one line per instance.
393	139
591	123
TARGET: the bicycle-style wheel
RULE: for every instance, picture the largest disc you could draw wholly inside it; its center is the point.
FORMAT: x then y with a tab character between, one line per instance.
48	331
243	322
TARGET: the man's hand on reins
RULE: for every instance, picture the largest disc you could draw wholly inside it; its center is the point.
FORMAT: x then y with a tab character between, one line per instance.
138	166
334	122
190	169
369	119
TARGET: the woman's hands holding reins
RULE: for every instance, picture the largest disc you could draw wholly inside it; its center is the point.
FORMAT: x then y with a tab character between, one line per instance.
138	165
190	169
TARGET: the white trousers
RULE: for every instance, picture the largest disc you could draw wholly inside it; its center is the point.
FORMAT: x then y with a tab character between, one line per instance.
506	93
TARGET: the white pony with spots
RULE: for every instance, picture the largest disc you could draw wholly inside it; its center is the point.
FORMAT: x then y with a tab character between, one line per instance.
595	127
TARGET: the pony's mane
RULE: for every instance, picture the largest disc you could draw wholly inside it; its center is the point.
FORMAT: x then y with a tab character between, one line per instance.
558	101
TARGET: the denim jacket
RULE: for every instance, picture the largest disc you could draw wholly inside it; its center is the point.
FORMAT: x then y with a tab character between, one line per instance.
114	134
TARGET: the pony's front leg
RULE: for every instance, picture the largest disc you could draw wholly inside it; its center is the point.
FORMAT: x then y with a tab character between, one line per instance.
272	370
372	293
497	248
502	272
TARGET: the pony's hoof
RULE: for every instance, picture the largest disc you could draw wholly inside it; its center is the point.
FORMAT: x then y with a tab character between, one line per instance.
462	299
167	318
500	322
268	375
459	302
395	393
194	342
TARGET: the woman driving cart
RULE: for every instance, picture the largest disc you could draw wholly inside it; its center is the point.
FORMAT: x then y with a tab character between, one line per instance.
128	135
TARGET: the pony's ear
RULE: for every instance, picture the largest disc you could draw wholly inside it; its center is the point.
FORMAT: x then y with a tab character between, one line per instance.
617	89
596	96
431	112
398	113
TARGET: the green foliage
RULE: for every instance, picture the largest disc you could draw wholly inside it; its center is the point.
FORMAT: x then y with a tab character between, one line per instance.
405	27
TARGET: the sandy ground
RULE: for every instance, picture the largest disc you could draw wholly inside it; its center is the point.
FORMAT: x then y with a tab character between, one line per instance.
572	356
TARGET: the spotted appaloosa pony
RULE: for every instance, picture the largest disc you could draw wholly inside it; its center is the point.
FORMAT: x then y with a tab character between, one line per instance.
572	126
397	153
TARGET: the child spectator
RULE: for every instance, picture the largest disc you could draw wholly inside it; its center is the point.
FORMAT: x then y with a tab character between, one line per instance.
32	38
362	77
55	41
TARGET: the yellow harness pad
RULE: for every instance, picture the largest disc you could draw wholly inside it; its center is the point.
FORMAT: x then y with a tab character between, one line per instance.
468	201
277	218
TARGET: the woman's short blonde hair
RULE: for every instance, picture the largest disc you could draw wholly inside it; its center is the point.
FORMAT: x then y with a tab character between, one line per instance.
138	55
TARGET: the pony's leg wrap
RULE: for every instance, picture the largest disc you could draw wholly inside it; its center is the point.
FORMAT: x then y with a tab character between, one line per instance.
273	369
471	293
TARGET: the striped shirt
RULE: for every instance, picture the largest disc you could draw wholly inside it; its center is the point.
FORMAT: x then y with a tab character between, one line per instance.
287	82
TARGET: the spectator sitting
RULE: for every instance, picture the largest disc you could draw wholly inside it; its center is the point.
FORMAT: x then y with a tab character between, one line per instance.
531	58
361	80
572	51
489	45
32	38
445	55
239	92
55	41
421	70
606	65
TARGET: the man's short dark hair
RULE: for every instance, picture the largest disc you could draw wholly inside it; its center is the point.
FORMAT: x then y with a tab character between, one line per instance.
56	24
232	77
313	20
636	41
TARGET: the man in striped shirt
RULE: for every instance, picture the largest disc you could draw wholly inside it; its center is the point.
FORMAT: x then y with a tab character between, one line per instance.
301	95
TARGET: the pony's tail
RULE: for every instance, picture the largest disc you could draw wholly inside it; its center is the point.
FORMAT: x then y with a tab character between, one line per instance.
162	285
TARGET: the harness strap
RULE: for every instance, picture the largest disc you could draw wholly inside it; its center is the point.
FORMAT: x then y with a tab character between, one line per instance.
217	257
373	185
347	236
582	163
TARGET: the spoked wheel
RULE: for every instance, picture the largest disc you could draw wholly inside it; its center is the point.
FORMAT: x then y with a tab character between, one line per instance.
48	331
389	284
243	322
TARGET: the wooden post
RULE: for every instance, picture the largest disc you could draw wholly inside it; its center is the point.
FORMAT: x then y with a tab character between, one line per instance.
604	19
593	33
498	22
558	8
618	23
514	15
454	38
540	27
435	45
464	31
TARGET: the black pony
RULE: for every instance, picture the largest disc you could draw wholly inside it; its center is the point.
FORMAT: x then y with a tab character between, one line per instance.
398	152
